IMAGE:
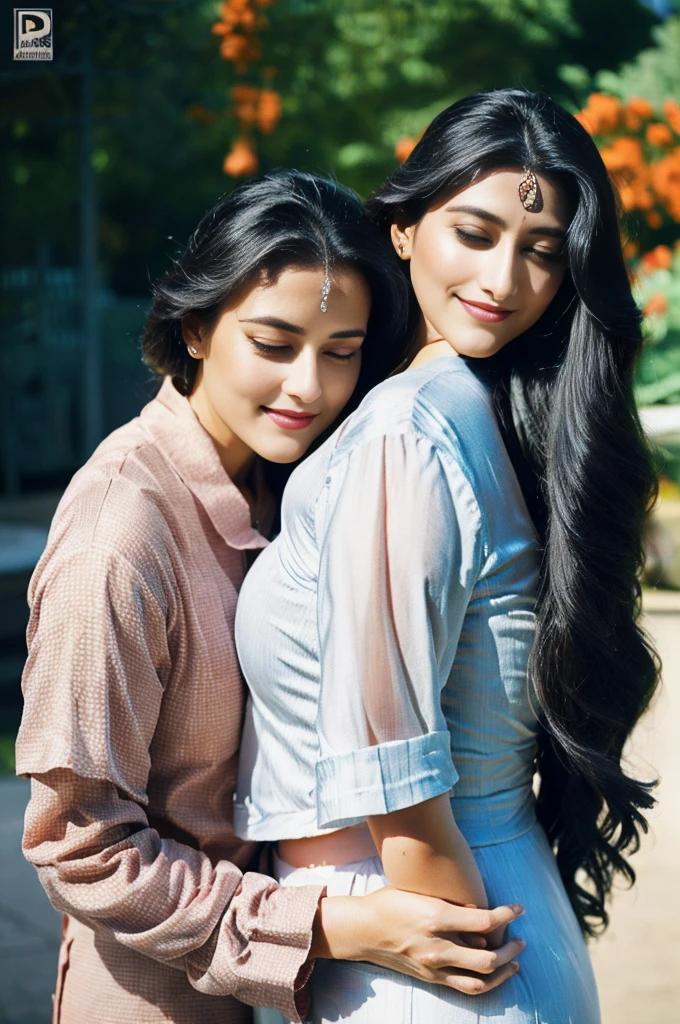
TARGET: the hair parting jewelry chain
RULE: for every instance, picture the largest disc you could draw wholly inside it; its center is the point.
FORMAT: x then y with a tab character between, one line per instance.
325	292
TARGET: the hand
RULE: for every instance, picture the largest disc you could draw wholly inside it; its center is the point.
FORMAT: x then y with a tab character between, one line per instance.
423	937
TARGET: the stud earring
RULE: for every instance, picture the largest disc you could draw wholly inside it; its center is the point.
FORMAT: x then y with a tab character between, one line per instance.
401	249
193	350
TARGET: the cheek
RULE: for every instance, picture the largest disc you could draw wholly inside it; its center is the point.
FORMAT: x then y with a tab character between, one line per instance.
439	261
238	372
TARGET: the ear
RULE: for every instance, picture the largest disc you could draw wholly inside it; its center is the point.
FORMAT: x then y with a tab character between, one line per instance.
402	239
191	333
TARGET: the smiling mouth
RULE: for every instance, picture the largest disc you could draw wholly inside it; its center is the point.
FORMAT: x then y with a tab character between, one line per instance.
289	419
482	311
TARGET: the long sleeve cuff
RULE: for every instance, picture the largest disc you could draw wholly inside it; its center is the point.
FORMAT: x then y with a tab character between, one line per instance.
382	779
274	969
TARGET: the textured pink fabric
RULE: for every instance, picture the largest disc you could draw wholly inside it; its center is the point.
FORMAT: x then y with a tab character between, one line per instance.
133	712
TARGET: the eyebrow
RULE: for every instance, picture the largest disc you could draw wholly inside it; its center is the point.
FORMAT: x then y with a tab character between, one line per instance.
493	218
284	325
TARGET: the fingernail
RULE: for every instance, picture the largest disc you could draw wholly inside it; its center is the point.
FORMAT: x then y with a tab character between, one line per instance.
517	908
515	965
522	943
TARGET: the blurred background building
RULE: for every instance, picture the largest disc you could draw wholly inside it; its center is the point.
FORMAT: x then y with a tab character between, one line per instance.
151	109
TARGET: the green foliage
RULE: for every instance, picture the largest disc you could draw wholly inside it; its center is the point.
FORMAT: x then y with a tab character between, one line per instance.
659	372
7	755
655	72
355	76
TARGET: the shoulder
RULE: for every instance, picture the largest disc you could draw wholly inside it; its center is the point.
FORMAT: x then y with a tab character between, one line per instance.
442	402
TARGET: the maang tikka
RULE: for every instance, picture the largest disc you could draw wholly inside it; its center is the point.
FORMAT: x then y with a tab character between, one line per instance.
530	193
325	292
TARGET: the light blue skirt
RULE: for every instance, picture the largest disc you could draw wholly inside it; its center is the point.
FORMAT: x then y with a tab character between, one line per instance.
555	983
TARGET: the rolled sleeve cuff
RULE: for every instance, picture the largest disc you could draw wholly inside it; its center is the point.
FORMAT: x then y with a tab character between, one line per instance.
274	969
382	779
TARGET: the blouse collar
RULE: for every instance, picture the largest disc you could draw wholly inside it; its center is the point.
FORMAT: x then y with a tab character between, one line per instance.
188	447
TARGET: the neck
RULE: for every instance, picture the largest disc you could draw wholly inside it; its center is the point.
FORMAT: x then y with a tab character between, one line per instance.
235	455
431	345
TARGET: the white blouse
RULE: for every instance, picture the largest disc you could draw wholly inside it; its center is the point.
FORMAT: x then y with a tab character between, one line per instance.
385	633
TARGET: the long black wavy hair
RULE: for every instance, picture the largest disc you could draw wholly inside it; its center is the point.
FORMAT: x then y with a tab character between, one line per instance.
285	219
563	394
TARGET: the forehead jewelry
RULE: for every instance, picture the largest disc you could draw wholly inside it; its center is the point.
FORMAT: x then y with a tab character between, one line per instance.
325	292
530	193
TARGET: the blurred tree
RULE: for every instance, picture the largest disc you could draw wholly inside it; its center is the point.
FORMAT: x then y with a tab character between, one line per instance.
354	77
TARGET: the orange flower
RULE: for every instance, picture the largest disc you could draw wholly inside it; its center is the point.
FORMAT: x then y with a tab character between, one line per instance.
657	303
658	259
197	112
244	93
654	219
624	161
672	112
623	154
665	176
404	148
585	122
630	249
659	134
268	111
636	112
601	115
241	159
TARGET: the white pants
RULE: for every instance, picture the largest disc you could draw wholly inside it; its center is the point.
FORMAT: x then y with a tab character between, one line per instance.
355	879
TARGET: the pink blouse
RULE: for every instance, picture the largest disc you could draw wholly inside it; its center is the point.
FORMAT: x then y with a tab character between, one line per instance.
131	727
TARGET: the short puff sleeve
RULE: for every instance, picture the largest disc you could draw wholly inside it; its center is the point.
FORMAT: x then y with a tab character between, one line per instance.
401	548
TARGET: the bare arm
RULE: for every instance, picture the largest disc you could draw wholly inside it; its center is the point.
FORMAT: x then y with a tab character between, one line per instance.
423	851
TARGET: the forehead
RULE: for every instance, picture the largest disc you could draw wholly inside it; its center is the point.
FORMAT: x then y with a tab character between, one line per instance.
498	193
300	284
296	294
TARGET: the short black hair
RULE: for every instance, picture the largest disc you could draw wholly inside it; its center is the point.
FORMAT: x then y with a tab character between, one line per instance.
284	219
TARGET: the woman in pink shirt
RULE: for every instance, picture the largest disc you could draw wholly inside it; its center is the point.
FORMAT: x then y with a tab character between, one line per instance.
133	695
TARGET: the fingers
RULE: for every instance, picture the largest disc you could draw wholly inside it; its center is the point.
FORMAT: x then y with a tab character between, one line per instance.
474	985
480	961
452	918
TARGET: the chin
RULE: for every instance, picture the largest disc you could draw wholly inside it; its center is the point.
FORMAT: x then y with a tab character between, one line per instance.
479	348
284	452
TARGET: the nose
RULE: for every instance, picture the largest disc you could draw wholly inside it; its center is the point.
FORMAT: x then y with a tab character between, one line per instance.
500	276
302	381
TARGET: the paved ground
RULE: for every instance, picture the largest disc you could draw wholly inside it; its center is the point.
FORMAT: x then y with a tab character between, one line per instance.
636	962
29	927
637	959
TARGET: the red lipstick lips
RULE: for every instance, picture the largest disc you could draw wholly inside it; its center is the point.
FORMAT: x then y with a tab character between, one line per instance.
289	419
482	311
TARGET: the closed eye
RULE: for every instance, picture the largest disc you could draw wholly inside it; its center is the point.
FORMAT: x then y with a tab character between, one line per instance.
472	239
271	350
548	257
343	357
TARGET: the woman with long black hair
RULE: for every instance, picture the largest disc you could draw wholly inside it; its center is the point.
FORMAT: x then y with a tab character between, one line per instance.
453	600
